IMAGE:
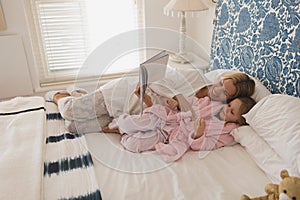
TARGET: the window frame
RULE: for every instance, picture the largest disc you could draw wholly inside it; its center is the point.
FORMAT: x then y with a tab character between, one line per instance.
49	78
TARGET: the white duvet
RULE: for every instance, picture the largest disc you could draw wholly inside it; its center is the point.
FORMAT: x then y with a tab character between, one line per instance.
223	174
21	147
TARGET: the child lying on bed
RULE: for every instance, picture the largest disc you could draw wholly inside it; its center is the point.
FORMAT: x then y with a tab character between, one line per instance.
171	131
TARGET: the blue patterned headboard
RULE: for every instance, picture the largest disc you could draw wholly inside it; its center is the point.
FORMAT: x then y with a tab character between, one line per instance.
261	38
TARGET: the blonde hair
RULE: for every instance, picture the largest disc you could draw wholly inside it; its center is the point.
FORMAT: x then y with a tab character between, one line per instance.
245	85
247	104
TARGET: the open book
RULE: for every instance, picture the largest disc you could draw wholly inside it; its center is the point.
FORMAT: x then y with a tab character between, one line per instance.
151	70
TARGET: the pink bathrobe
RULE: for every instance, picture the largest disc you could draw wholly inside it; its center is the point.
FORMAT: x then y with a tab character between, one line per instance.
171	132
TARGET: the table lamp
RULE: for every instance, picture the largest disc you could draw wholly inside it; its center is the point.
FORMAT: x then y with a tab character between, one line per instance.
183	6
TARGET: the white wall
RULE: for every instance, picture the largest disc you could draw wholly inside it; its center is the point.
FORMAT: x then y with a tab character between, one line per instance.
199	28
16	26
15	78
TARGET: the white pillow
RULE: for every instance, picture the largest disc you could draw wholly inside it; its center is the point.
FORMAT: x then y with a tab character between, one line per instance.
275	118
263	155
260	90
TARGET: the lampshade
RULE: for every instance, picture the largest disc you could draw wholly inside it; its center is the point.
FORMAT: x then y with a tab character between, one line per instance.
185	5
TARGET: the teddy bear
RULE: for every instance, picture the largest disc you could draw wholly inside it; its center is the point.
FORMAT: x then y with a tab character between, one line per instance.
288	189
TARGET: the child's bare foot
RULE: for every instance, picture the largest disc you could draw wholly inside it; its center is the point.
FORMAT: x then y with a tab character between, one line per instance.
59	96
106	129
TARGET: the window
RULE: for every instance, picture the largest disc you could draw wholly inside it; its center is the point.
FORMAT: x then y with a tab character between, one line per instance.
65	32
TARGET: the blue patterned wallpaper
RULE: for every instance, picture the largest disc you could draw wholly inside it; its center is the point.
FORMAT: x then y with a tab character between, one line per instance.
261	38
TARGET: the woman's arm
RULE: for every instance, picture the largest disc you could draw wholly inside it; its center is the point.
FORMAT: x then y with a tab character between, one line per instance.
203	92
147	98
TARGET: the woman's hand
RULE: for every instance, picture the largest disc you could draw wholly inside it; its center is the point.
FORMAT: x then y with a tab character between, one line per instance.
147	98
173	104
137	91
200	127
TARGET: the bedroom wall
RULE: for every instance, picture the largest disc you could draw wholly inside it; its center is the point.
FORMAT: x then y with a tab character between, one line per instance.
22	79
199	27
15	79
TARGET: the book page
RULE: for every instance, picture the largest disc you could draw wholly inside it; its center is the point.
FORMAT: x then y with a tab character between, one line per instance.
155	67
152	70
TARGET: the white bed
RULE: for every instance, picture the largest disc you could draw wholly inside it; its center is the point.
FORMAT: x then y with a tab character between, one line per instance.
41	160
223	174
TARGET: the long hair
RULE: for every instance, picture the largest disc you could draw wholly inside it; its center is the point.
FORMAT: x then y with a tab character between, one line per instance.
245	86
247	104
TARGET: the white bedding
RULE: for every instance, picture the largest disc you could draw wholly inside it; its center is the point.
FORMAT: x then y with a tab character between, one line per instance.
274	142
21	147
39	159
223	174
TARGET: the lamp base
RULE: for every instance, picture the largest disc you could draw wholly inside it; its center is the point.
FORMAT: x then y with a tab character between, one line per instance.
179	58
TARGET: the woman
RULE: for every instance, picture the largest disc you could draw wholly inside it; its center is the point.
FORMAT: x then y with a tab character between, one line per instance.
91	112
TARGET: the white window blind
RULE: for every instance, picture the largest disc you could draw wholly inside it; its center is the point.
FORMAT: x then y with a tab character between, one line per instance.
64	32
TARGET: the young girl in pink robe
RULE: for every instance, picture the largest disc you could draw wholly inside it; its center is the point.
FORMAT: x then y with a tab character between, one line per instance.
171	132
